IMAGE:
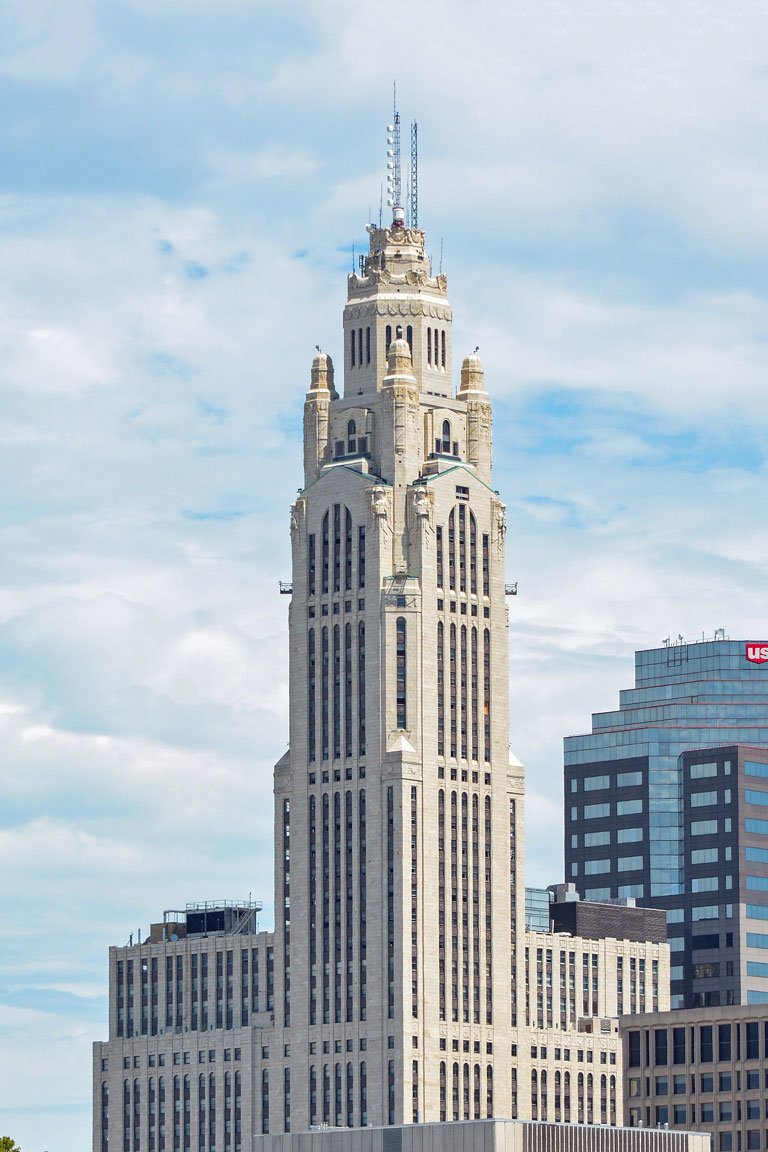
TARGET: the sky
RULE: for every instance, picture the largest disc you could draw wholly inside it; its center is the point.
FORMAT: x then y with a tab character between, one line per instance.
183	187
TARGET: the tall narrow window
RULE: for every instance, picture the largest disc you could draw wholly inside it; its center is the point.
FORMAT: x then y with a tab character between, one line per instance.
454	909
324	693
311	682
336	692
350	1088
326	910
351	437
361	689
463	691
464	909
486	565
462	548
401	671
286	912
390	903
443	1101
409	337
347	690
337	907
414	904
488	919
337	547
472	554
352	346
439	555
368	345
311	564
361	557
360	346
326	553
453	672
312	829
363	1095
475	911
347	550
349	927
452	550
441	973
487	694
429	346
445	446
440	689
388	339
475	702
362	908
312	1095
442	342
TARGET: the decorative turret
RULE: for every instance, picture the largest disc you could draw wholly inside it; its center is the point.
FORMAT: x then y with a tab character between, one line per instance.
316	408
479	415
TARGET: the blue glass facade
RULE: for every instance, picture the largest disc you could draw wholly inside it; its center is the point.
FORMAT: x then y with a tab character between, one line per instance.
650	813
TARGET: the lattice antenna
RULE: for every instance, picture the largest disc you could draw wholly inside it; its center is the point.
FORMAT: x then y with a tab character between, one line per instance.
394	178
414	191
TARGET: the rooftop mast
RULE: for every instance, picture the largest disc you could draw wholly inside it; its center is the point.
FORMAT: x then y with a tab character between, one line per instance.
394	177
414	190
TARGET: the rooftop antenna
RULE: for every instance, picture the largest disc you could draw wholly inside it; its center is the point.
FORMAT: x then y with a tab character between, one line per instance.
394	179
414	195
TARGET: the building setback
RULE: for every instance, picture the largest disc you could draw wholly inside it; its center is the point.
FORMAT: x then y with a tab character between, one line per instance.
666	801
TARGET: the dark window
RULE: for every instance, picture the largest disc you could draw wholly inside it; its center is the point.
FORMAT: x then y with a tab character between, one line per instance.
634	1049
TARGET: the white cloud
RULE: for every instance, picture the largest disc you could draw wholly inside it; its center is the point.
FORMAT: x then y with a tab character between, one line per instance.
598	173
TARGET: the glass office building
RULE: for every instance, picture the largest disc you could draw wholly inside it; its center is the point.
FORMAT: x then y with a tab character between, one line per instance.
666	800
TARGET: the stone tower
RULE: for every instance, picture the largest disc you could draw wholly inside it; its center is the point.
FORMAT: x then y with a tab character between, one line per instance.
398	818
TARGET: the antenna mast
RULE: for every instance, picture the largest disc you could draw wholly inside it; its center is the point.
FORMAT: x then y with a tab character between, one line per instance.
414	174
394	179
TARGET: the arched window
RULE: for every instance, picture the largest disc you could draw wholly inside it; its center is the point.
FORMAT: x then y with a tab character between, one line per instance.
352	346
445	445
351	437
489	1090
388	339
534	1094
368	345
442	337
429	346
409	337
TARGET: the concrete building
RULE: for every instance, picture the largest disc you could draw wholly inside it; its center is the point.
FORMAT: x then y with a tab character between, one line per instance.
575	987
389	992
487	1136
702	1068
665	802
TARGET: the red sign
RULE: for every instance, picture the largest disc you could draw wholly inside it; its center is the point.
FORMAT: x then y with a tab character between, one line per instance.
757	653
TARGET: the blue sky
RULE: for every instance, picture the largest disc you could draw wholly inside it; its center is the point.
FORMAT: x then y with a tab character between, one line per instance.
181	186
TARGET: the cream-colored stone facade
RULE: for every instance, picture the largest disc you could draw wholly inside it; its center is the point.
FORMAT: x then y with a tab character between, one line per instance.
399	885
569	1056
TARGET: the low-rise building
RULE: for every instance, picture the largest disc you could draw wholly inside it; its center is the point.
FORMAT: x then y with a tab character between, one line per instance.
701	1068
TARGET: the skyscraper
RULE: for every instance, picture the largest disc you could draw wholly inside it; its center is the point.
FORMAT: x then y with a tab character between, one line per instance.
397	810
664	802
392	974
